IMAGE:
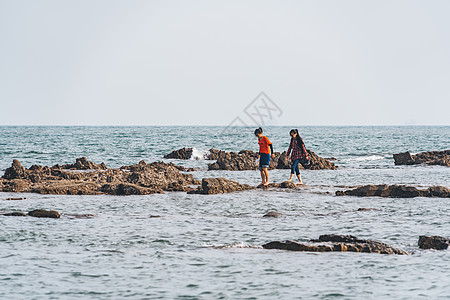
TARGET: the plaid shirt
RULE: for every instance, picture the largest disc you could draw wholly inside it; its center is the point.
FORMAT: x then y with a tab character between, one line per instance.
297	151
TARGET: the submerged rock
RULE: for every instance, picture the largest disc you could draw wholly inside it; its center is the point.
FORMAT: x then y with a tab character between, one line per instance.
40	213
14	214
433	242
441	158
220	186
272	214
336	243
396	191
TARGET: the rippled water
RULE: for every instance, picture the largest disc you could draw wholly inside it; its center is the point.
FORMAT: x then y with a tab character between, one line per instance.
181	246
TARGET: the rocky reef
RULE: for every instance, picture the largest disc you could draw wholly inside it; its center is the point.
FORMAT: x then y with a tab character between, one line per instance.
336	243
441	158
396	191
245	160
139	179
220	186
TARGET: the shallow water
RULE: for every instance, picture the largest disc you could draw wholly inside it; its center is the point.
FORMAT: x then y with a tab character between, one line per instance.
181	246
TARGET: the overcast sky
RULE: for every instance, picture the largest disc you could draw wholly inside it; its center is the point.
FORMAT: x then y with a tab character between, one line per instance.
103	62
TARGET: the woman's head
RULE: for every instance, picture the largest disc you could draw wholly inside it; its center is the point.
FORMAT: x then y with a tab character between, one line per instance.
258	131
293	133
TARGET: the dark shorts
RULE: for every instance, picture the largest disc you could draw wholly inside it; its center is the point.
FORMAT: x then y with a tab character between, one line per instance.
264	160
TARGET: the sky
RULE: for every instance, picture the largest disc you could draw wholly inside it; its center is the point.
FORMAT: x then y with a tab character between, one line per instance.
107	62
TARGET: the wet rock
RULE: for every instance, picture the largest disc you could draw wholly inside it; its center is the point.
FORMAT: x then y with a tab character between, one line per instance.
403	159
220	186
16	171
336	243
288	185
83	164
128	189
40	213
441	158
433	242
272	214
14	214
183	153
14	199
396	191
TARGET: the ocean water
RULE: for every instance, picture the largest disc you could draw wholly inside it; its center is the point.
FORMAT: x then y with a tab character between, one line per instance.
180	246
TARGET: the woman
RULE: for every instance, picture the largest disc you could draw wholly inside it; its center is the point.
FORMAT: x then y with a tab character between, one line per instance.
299	153
264	156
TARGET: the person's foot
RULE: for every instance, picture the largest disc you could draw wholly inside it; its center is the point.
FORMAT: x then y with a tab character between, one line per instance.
300	183
266	184
289	180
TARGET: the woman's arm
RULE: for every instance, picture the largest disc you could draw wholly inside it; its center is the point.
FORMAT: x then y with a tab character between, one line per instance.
289	149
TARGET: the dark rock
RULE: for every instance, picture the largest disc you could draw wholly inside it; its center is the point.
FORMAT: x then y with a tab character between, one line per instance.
16	171
128	189
403	159
336	243
433	242
219	186
441	158
245	160
396	191
15	214
83	164
272	214
36	168
40	213
13	199
184	153
288	185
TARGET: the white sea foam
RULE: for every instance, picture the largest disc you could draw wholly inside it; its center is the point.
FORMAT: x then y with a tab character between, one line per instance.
198	154
365	158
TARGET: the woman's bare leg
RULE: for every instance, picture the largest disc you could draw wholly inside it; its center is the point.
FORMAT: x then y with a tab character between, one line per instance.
299	179
292	176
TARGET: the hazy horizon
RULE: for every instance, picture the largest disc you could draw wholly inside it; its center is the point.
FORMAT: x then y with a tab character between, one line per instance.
202	63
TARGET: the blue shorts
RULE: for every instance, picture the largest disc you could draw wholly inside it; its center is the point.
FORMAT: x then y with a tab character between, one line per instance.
264	160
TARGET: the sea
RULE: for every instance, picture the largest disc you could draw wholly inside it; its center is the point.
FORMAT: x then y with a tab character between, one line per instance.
180	246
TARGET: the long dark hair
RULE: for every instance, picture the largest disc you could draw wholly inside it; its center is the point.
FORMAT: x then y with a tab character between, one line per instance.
298	138
258	131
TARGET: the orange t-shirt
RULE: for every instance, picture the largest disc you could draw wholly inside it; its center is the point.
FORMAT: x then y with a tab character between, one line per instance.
264	145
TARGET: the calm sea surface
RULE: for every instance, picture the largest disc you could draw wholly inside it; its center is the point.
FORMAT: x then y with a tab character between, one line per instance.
204	247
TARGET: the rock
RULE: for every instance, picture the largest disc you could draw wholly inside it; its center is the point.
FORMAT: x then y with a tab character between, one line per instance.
16	171
83	164
140	179
15	214
396	191
367	209
288	185
272	214
128	189
441	158
433	242
403	159
219	186
245	160
40	213
14	199
183	153
336	243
